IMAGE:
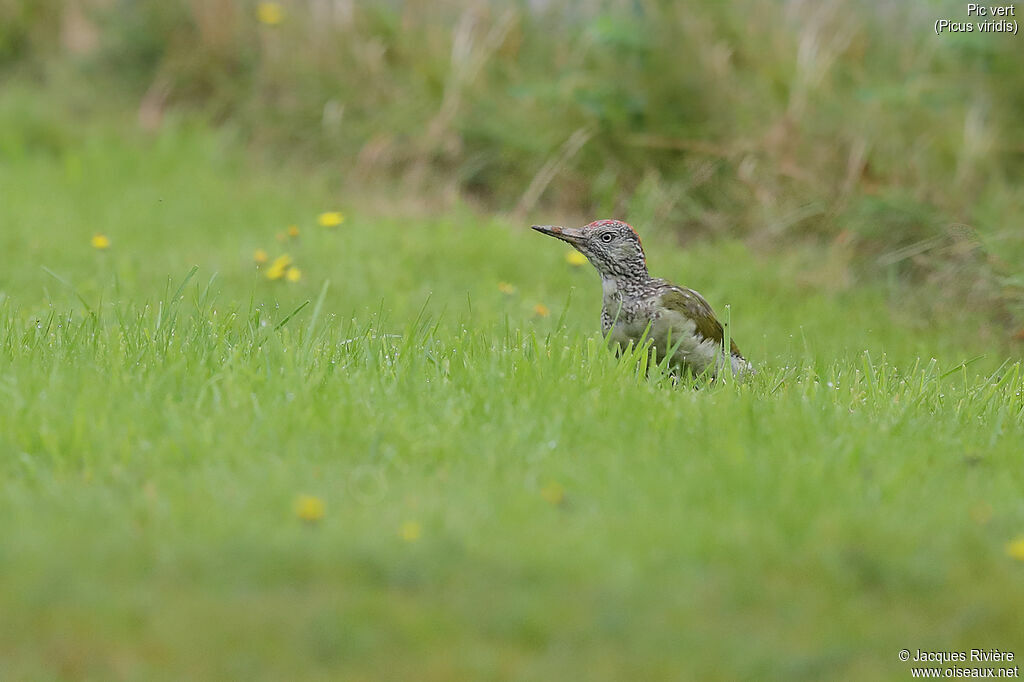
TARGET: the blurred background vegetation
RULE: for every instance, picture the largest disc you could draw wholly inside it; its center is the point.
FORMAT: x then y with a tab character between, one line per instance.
847	127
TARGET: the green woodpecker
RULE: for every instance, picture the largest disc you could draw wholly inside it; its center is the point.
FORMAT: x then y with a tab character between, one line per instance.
678	321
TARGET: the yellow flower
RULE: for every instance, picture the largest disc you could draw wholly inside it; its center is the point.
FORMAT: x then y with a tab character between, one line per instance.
100	241
541	310
575	258
553	493
260	256
294	275
1016	548
309	508
506	288
410	531
293	231
279	268
270	13
330	219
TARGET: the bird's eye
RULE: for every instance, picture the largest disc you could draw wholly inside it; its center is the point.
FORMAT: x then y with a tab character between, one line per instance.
606	237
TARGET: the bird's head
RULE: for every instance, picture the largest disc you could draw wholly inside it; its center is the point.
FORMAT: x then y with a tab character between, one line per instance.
612	246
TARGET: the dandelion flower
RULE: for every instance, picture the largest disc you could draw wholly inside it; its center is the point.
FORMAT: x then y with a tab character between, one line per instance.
330	219
270	13
506	288
1016	548
553	493
293	275
260	256
575	258
310	508
293	231
541	310
100	241
410	531
279	268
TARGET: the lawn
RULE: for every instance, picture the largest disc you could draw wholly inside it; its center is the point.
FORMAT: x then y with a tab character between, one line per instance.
502	498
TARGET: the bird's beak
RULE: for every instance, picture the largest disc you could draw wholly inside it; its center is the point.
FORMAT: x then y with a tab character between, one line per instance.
566	234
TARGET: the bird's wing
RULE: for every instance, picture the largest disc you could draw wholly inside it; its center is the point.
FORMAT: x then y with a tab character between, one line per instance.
691	304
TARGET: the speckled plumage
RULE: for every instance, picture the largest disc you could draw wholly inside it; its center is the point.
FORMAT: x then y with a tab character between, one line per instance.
677	320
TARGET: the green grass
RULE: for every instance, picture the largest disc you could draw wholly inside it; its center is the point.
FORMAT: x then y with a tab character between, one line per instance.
854	499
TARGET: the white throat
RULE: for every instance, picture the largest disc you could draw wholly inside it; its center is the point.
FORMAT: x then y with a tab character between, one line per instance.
610	286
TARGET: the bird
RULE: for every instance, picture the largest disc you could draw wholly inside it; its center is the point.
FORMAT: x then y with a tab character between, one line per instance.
637	307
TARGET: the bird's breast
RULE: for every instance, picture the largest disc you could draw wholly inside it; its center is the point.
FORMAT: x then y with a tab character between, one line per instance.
624	321
669	332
